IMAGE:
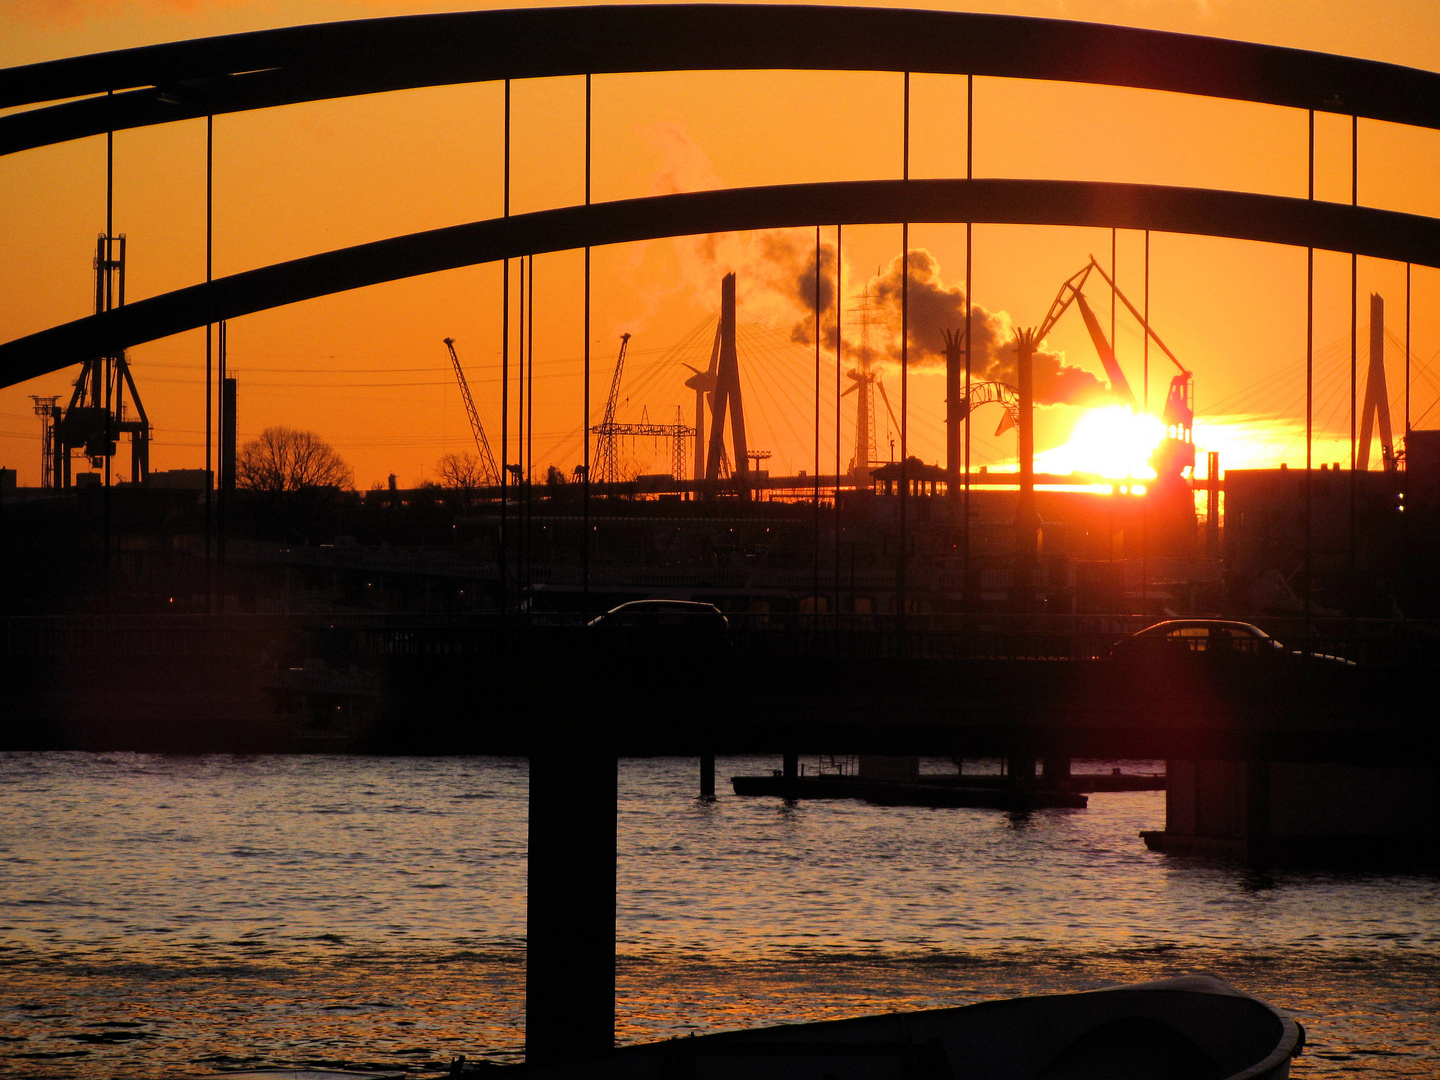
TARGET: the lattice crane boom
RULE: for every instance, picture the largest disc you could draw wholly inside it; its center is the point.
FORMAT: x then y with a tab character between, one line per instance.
614	397
607	457
482	444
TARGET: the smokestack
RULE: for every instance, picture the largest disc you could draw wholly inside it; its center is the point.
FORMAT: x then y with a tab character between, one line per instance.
1212	505
954	407
1027	521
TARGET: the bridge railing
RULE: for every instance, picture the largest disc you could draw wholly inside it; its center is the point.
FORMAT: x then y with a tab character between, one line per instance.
938	637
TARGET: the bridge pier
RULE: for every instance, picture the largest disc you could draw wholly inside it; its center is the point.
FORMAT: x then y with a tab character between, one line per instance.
707	777
570	904
1265	812
1020	767
1056	771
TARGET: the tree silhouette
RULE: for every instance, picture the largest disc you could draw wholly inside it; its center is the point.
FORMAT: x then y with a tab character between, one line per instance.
461	472
283	459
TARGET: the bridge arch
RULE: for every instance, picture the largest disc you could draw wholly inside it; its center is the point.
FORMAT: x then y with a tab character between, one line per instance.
1238	215
184	80
160	84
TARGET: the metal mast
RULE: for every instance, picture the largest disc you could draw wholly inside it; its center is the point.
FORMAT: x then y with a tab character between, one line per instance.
863	377
48	411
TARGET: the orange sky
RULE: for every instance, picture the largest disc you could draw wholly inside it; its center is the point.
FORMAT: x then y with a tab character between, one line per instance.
367	370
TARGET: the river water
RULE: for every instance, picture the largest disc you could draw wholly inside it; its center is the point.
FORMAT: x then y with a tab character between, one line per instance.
182	916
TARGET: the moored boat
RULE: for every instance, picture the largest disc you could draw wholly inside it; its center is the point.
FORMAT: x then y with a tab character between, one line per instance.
1194	1027
1190	1028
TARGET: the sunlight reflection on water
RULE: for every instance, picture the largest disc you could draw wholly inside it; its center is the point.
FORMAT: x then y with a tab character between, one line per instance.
162	916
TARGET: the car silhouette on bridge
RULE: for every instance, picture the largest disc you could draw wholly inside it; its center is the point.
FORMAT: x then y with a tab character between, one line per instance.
1217	638
679	615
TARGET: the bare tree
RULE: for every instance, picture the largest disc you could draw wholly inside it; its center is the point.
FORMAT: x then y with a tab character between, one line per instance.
283	459
461	472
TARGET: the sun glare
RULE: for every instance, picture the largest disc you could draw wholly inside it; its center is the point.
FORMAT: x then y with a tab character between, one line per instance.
1112	442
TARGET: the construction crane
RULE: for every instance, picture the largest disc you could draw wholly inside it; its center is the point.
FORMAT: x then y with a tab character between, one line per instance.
607	451
482	444
607	456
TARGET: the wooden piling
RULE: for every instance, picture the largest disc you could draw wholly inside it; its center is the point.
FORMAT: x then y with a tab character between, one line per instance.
707	777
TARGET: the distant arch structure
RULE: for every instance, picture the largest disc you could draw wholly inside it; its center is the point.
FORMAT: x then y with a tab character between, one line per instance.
74	98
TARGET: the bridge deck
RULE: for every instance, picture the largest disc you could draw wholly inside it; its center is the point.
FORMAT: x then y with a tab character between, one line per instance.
455	684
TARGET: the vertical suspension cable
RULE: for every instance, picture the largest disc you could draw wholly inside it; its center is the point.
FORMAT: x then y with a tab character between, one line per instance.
1115	278
815	543
1407	353
1145	337
839	363
1309	383
209	361
109	302
222	353
1405	480
520	438
1145	391
1113	344
585	409
969	351
505	374
901	564
902	558
530	440
1354	314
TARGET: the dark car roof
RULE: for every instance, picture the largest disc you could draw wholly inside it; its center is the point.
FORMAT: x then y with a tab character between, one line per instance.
1233	625
663	613
662	605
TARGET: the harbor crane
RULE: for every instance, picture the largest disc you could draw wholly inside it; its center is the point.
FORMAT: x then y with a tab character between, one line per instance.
1176	451
482	444
607	456
96	416
607	451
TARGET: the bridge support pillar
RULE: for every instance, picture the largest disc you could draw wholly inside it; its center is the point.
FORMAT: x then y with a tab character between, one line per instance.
1304	812
1021	769
570	905
790	771
707	777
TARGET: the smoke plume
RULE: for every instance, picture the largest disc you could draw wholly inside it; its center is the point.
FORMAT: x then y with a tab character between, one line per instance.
934	307
776	282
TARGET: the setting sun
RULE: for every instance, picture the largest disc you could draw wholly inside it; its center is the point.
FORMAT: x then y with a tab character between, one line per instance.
1111	441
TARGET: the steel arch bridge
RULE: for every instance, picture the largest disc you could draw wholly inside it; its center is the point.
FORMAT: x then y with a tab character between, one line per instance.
185	80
